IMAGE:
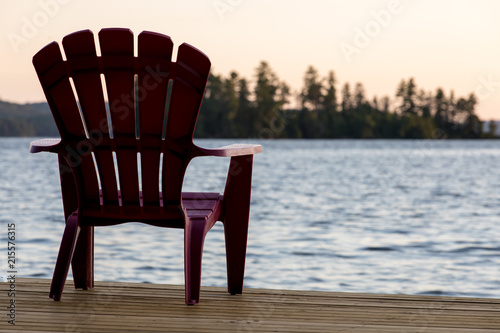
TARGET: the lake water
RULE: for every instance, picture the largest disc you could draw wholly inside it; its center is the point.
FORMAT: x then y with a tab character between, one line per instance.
382	216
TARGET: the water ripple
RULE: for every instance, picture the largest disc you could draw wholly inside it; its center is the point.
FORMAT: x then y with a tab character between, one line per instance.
380	248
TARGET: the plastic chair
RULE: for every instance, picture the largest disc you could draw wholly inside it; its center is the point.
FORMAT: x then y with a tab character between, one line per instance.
150	118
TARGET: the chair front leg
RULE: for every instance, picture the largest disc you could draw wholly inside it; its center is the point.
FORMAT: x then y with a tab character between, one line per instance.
82	264
236	215
195	231
66	250
83	259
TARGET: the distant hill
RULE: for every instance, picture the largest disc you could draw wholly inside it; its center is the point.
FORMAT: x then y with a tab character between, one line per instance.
34	119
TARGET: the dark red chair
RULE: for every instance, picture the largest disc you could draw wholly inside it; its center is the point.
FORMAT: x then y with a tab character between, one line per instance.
150	118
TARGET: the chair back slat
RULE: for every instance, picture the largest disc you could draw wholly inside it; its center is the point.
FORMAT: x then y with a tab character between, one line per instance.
81	55
191	73
192	70
117	50
155	53
52	72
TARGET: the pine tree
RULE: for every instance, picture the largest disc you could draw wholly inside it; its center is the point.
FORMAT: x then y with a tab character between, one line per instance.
346	98
330	98
312	93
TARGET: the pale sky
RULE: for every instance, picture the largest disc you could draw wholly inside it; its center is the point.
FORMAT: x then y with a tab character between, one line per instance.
441	43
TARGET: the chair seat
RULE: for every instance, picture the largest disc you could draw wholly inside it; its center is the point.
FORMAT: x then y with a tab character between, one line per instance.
202	205
198	205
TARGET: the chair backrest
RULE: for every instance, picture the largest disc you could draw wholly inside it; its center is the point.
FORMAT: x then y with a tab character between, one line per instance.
149	107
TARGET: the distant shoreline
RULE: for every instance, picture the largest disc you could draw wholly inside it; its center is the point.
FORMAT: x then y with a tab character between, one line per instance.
35	120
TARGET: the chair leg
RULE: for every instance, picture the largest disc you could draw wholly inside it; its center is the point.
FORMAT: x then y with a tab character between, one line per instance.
64	257
83	259
235	234
194	237
236	215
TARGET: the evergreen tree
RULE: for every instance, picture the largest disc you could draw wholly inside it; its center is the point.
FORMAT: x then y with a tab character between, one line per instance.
231	95
407	92
452	108
270	97
440	109
359	96
312	93
346	98
424	104
473	126
330	97
246	111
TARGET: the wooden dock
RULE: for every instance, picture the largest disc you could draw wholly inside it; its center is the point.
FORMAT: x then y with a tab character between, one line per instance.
134	307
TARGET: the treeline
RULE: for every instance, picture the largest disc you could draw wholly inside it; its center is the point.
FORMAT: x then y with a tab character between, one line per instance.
236	107
265	107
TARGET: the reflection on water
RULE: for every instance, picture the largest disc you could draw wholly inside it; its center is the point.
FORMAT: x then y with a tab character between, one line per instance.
415	217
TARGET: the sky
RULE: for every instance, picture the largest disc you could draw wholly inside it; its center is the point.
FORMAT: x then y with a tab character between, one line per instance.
454	45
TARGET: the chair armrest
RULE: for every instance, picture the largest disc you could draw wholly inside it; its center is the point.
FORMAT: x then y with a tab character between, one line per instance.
239	149
49	145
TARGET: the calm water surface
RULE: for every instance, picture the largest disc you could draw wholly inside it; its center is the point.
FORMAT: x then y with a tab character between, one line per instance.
413	217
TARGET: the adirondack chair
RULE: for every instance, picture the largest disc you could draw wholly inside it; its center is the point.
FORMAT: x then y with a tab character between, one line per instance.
149	120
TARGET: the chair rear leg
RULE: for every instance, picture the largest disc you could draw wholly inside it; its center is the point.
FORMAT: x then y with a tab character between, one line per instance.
64	257
194	237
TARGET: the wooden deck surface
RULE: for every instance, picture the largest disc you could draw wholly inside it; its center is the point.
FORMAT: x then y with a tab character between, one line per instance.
133	307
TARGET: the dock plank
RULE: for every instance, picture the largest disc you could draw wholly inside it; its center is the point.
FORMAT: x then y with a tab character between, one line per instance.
134	307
